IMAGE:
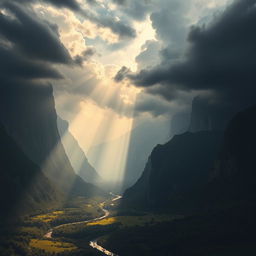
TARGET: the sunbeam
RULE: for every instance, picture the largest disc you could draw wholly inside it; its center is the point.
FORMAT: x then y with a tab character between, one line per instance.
96	127
109	158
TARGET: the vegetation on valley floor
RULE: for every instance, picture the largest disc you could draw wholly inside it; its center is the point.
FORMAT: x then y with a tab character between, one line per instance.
51	246
25	237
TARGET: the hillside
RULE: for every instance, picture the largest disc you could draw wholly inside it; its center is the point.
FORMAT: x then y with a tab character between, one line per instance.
28	114
174	170
24	188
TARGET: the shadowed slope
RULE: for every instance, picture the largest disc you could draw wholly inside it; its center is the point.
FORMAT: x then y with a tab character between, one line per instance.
23	187
174	169
76	155
28	113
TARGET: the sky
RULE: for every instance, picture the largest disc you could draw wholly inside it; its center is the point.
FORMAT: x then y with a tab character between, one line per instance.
117	64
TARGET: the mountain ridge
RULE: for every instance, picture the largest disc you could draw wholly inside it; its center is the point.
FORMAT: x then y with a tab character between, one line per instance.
28	114
76	155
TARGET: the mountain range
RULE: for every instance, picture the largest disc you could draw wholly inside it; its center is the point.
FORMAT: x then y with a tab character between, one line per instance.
195	170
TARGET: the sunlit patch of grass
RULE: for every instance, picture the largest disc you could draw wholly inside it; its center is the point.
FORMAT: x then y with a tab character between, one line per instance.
128	221
103	222
58	212
52	246
47	217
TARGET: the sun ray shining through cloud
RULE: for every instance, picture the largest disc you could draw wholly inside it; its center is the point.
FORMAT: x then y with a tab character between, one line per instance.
99	109
110	157
95	127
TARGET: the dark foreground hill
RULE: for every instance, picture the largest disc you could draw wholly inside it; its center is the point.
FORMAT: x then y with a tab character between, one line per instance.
225	201
234	174
27	112
174	170
200	169
24	188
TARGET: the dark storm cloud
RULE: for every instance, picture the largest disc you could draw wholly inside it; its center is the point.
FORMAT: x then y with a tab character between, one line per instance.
107	21
36	39
169	21
28	46
117	27
121	74
87	54
15	66
120	28
71	4
221	58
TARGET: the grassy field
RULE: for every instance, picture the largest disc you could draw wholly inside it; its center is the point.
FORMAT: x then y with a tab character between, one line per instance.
78	209
129	221
51	246
48	217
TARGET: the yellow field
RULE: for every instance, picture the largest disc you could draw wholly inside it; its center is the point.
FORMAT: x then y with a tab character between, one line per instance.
51	246
128	221
48	217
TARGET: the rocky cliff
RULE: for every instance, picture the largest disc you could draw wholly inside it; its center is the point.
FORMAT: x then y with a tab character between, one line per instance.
28	114
209	116
209	170
174	169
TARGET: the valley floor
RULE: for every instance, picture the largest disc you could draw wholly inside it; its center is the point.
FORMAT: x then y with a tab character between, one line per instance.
96	227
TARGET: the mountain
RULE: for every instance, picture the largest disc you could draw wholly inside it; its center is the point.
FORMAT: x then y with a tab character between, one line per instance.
216	210
24	188
76	155
174	169
203	169
207	116
27	111
234	177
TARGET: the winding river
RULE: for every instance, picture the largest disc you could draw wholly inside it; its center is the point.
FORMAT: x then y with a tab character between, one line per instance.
93	243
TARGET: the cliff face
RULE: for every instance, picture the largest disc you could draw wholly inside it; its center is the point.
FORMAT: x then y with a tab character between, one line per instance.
174	169
76	155
208	117
203	169
28	115
234	173
239	146
24	188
